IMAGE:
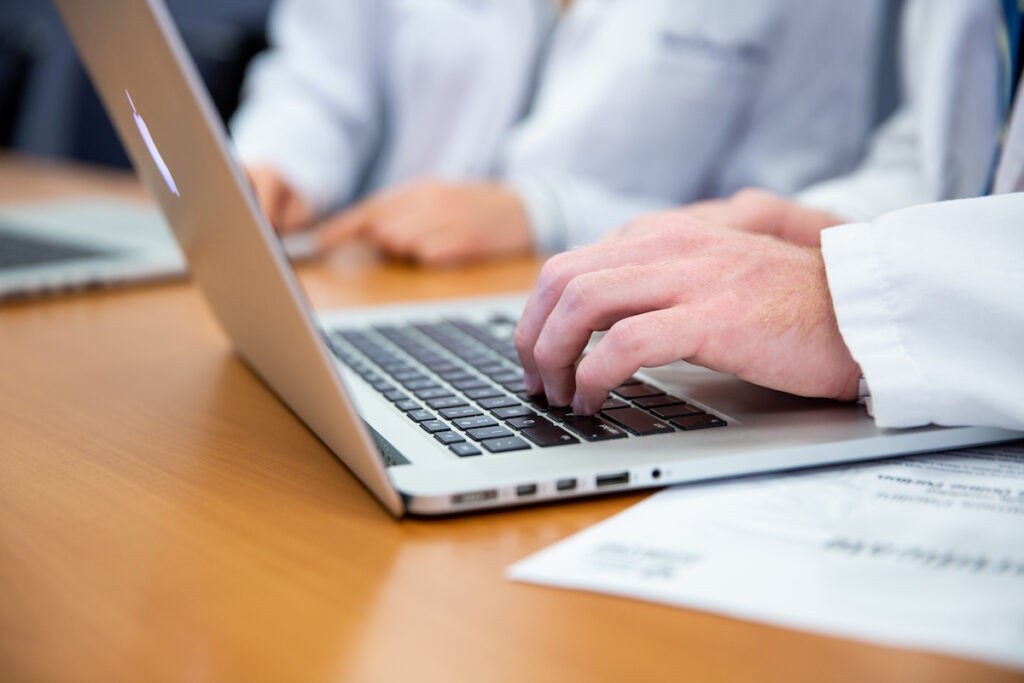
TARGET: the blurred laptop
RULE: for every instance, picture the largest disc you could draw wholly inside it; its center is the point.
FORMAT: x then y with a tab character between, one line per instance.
67	245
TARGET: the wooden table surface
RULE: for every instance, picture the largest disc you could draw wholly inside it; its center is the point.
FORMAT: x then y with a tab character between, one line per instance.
164	517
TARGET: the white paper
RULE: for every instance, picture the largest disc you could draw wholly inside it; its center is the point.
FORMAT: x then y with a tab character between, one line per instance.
924	552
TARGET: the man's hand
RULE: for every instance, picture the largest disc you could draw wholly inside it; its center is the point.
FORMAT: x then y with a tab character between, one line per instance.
436	223
284	206
676	288
761	212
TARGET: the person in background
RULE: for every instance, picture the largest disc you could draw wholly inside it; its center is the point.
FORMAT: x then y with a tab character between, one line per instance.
456	130
917	309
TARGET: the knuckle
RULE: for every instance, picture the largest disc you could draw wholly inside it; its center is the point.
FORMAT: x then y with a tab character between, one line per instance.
748	194
576	294
554	270
545	354
521	338
626	338
590	375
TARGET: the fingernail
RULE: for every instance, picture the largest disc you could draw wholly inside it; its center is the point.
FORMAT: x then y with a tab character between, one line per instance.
531	382
578	406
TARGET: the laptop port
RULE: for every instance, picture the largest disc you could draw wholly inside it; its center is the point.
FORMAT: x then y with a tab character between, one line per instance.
565	484
612	479
526	490
474	496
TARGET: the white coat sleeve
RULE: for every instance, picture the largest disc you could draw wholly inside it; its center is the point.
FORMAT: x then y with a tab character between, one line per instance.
940	142
930	302
311	103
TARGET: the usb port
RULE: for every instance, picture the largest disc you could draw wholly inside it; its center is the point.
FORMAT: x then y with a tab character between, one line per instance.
526	490
474	497
612	479
565	484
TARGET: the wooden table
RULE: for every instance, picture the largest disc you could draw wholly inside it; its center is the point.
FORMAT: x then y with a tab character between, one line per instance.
164	517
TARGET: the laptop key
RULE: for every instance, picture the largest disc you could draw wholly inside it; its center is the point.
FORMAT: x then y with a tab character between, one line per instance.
424	394
678	410
527	421
655	401
395	395
504	445
421	415
468	383
464	449
559	413
549	435
484	433
449	437
420	382
483	392
636	421
512	411
454	377
702	421
612	403
497	402
475	422
433	426
446	402
593	428
637	390
407	405
459	411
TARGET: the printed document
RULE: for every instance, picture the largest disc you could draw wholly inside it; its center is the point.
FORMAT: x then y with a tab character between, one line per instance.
924	552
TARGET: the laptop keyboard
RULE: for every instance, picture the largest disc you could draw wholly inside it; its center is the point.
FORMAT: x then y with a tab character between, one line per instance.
462	383
16	250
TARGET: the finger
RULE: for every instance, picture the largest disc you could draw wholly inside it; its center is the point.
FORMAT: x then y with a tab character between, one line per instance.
709	210
591	302
295	212
344	225
399	233
270	193
559	271
646	340
441	253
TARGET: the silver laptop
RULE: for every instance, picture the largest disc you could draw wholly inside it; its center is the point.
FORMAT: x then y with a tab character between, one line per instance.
424	403
72	244
92	242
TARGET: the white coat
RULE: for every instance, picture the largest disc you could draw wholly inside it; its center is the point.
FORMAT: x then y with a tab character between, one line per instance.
619	107
930	299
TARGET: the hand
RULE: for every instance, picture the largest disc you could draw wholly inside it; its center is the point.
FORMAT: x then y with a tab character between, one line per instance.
760	212
752	305
287	210
436	223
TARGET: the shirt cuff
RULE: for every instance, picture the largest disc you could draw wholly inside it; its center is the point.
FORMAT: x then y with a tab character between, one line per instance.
547	218
867	311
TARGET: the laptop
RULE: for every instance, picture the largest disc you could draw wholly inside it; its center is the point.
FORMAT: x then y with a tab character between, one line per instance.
424	403
91	242
74	244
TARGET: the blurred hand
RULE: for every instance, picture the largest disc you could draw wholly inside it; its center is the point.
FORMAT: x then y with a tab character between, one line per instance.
757	211
436	223
284	206
677	288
